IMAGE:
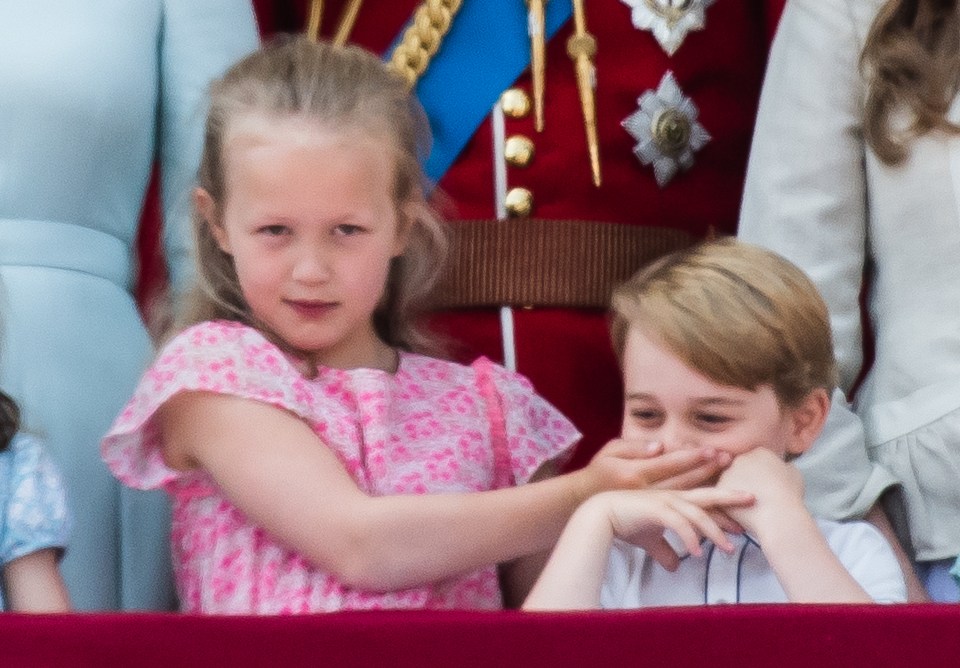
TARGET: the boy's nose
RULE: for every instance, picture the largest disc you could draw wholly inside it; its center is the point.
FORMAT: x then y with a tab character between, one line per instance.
676	437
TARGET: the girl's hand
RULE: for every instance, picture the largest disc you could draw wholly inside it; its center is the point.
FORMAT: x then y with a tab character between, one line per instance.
640	518
626	464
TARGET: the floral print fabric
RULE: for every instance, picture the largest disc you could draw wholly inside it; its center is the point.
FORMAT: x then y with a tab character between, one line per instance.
32	500
424	429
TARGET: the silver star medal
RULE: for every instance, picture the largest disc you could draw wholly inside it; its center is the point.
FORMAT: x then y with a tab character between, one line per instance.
669	20
666	129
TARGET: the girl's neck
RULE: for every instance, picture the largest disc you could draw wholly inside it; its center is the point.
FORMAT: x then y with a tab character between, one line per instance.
371	354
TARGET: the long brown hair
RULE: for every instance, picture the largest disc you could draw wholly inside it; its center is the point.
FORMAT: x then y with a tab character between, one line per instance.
912	63
341	88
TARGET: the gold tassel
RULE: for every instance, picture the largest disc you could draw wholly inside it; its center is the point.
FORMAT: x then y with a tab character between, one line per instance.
582	47
538	57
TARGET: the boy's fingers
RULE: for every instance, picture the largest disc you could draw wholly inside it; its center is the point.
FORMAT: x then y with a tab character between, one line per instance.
724	521
703	523
663	554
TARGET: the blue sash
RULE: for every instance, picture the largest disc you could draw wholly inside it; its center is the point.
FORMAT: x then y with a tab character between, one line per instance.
487	48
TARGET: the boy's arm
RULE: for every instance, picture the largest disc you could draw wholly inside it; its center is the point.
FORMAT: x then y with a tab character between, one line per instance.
574	574
791	540
674	470
801	558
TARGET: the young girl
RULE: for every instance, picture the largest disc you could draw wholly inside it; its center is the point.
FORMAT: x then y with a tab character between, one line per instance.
679	328
315	461
33	533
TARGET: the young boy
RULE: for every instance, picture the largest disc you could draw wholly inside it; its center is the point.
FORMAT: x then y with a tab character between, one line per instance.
723	346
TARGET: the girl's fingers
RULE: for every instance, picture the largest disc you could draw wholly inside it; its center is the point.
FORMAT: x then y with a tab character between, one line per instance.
701	465
694	477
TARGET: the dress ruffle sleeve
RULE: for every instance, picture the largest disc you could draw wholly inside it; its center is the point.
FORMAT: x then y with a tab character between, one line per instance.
536	432
35	516
219	357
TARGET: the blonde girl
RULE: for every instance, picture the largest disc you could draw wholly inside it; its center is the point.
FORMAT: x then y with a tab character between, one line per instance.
316	458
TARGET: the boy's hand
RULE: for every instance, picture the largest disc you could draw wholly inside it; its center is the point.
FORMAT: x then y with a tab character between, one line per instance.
777	486
625	464
640	518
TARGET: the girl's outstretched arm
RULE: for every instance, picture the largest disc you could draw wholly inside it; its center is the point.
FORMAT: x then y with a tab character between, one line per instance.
33	583
277	471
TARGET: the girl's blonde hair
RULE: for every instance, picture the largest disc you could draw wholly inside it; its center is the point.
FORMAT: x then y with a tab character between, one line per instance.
912	63
739	314
336	88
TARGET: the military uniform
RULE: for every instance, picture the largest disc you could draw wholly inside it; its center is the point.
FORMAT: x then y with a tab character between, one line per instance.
690	186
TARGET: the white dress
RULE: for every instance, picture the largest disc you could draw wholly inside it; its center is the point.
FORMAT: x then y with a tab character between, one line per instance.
817	194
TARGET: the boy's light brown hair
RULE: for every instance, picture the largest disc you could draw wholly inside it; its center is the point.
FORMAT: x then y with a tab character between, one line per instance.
739	314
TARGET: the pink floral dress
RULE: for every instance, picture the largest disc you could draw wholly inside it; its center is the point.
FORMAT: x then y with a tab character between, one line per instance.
431	427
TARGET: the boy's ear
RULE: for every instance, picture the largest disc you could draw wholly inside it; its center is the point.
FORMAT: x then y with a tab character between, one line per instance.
807	420
208	210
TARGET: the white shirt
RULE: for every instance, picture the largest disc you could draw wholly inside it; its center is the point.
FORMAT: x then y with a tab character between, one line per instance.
635	581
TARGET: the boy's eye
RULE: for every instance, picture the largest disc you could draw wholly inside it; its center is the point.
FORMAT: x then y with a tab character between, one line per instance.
645	415
713	419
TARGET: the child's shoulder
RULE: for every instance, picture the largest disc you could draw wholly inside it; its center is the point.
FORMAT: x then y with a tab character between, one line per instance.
24	448
844	532
868	557
217	333
224	343
856	540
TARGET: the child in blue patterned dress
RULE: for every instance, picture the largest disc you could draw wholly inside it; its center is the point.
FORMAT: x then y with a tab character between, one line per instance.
33	521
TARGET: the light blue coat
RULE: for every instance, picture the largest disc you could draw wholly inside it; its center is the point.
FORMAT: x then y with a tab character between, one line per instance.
91	94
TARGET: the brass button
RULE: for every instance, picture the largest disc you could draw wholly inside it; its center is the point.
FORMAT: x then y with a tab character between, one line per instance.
515	103
518	150
671	131
519	202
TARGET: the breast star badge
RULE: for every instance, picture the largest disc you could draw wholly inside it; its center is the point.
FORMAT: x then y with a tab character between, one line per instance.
669	20
666	129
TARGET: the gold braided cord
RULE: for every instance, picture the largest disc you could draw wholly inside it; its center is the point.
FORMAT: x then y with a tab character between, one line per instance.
347	20
431	21
313	23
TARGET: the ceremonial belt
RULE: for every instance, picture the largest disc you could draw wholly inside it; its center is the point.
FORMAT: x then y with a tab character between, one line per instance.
536	262
485	51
